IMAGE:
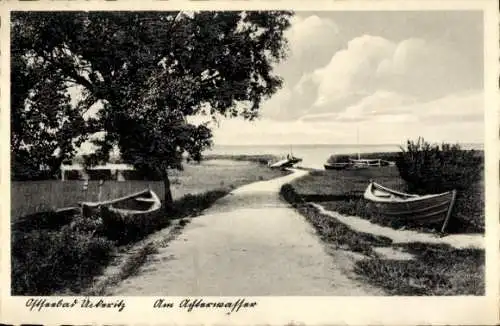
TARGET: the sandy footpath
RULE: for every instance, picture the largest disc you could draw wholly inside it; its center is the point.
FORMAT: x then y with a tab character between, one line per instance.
358	224
249	243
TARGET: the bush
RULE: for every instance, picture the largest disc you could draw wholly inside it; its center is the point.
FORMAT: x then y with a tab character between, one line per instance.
289	194
50	220
429	169
45	261
190	204
468	212
128	229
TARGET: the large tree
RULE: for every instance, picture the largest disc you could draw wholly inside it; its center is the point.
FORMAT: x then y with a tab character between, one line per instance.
44	125
151	70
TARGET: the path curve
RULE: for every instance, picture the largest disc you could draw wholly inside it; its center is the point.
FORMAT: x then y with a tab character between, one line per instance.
249	243
358	224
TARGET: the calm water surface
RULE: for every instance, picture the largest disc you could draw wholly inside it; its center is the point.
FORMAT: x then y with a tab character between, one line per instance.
313	155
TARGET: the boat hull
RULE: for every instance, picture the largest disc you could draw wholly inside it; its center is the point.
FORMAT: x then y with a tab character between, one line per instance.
371	163
138	204
288	163
336	166
407	209
128	218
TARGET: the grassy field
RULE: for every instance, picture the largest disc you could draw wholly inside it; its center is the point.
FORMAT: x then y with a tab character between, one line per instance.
220	173
434	269
48	257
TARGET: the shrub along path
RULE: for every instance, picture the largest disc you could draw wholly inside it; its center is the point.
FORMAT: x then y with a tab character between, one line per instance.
248	243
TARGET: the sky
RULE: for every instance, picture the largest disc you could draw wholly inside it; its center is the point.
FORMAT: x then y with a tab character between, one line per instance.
391	75
378	77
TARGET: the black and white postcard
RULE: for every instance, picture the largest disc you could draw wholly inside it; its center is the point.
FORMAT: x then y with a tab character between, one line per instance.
250	162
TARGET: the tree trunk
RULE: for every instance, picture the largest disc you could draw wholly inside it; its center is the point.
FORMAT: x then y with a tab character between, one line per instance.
168	200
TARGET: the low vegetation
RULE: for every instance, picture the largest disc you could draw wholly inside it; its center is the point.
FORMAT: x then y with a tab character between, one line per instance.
332	231
340	235
432	168
51	259
46	261
436	270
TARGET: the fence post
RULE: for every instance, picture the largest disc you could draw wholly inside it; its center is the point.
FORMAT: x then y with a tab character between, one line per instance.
85	188
99	196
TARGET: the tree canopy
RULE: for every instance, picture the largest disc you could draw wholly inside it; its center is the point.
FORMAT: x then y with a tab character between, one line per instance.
149	71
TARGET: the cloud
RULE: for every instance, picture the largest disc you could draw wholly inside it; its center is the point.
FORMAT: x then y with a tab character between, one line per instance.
424	69
391	88
311	33
312	40
367	68
379	103
384	106
467	106
352	69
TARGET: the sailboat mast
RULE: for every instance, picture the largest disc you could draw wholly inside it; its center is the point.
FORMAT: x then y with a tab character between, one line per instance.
357	140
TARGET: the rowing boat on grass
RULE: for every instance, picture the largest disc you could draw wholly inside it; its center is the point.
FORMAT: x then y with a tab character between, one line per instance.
137	204
412	209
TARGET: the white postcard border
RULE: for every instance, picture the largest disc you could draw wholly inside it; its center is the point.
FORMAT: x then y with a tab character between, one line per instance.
279	310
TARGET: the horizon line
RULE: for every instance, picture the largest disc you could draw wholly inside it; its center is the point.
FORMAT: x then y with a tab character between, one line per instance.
345	144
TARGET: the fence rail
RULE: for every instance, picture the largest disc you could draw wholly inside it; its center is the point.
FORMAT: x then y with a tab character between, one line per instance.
29	197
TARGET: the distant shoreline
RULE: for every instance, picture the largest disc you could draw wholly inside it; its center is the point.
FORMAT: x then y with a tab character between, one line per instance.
337	145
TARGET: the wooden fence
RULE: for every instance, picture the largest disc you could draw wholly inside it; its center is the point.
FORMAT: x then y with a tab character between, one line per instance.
28	197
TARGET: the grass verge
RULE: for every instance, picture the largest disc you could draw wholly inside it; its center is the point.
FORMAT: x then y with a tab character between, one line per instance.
332	231
45	261
436	270
130	262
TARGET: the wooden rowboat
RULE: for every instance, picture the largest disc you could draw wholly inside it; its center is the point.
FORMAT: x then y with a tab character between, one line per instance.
412	209
286	163
336	166
137	204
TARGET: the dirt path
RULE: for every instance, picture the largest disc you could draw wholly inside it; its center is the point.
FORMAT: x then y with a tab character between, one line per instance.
358	224
249	243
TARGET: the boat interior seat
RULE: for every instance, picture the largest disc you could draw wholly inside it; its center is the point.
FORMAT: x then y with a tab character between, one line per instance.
146	200
382	194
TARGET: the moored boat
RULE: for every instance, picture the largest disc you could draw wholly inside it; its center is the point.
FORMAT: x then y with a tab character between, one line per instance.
336	166
371	162
289	162
412	209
